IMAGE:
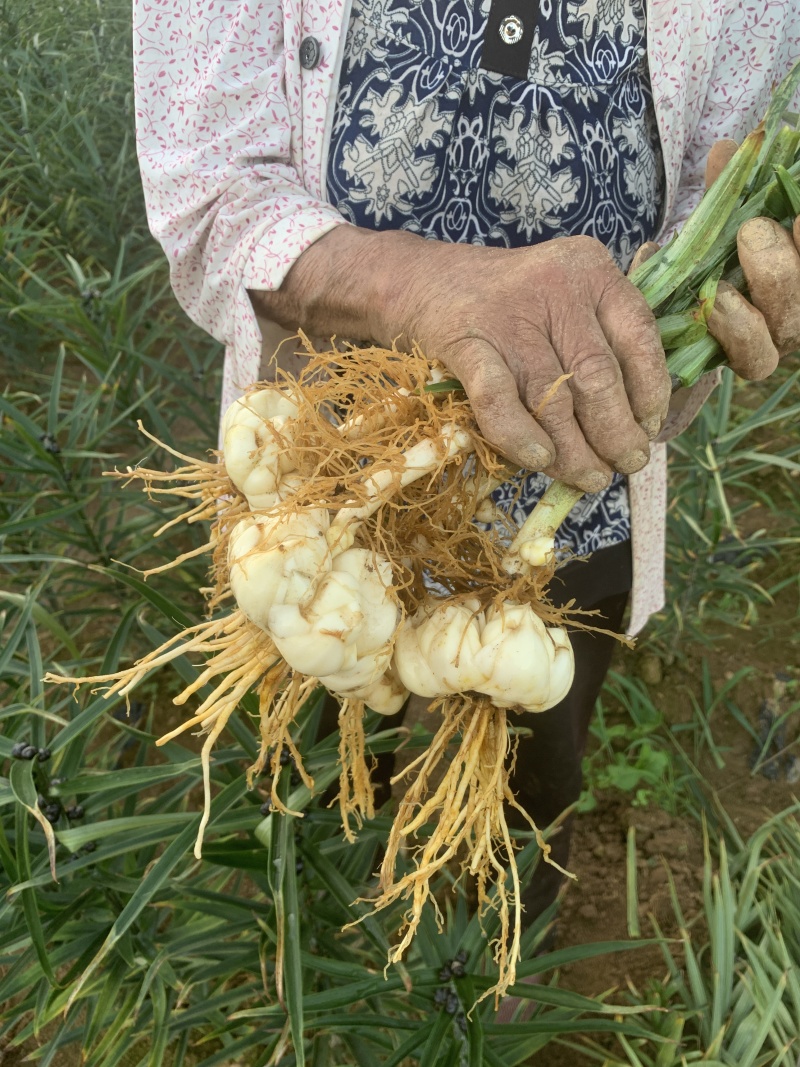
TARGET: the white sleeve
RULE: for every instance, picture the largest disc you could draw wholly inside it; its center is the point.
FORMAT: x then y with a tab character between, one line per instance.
752	55
215	141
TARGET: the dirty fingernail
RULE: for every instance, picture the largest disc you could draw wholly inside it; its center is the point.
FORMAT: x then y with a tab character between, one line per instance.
593	482
758	234
632	461
535	458
652	426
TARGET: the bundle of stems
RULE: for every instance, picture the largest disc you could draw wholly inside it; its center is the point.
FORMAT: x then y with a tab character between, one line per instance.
680	281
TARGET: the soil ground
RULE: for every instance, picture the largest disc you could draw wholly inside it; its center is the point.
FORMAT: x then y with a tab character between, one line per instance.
595	906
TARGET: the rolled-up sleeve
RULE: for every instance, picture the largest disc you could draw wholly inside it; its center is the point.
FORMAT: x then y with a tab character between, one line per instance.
222	187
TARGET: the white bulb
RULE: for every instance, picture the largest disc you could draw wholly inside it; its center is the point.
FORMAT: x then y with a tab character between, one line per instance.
508	654
256	442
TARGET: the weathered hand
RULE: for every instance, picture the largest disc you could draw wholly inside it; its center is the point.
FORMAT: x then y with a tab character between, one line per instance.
511	323
558	351
755	333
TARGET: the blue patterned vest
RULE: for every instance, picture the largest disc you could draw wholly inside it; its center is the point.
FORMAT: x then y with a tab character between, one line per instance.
428	140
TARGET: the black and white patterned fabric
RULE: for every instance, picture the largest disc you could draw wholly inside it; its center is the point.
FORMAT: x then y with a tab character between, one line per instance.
426	140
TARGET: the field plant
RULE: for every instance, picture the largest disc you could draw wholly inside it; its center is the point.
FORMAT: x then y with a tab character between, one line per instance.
734	535
630	751
731	995
136	953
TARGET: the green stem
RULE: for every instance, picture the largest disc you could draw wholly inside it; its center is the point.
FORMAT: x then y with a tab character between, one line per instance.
689	363
682	328
556	503
702	229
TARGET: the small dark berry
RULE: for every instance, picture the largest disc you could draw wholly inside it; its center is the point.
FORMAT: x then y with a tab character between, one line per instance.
18	749
50	444
461	1022
445	974
266	808
440	996
43	755
90	846
75	812
29	752
458	969
299	867
462	956
451	1005
54	809
51	815
286	757
41	800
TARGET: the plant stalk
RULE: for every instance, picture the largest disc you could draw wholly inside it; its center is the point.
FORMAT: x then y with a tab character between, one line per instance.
541	525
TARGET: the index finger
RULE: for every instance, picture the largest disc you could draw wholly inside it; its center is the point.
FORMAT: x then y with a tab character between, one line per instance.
499	411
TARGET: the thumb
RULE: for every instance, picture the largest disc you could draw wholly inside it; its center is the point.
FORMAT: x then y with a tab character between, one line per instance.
643	253
720	155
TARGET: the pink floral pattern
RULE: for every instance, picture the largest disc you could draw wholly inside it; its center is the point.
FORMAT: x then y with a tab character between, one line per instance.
233	138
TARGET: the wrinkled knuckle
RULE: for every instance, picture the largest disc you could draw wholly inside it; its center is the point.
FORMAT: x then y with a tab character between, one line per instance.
485	383
501	434
595	374
644	333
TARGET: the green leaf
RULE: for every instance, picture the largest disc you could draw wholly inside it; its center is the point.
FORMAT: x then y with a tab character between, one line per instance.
450	385
155	878
78	836
346	895
29	903
22	786
432	1052
408	1047
281	871
790	188
167	607
99	781
44	618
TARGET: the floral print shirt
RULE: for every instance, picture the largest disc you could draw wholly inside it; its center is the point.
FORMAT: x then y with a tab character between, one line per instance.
427	140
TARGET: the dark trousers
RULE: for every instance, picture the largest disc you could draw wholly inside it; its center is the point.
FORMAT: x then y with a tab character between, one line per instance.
547	777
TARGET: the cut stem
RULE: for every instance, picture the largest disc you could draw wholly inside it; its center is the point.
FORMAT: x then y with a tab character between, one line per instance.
540	528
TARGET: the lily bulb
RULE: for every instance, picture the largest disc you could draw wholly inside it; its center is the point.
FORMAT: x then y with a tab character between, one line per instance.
505	653
256	444
538	552
330	617
275	561
338	632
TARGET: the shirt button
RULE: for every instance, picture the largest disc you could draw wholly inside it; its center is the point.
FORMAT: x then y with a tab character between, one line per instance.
309	53
511	29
